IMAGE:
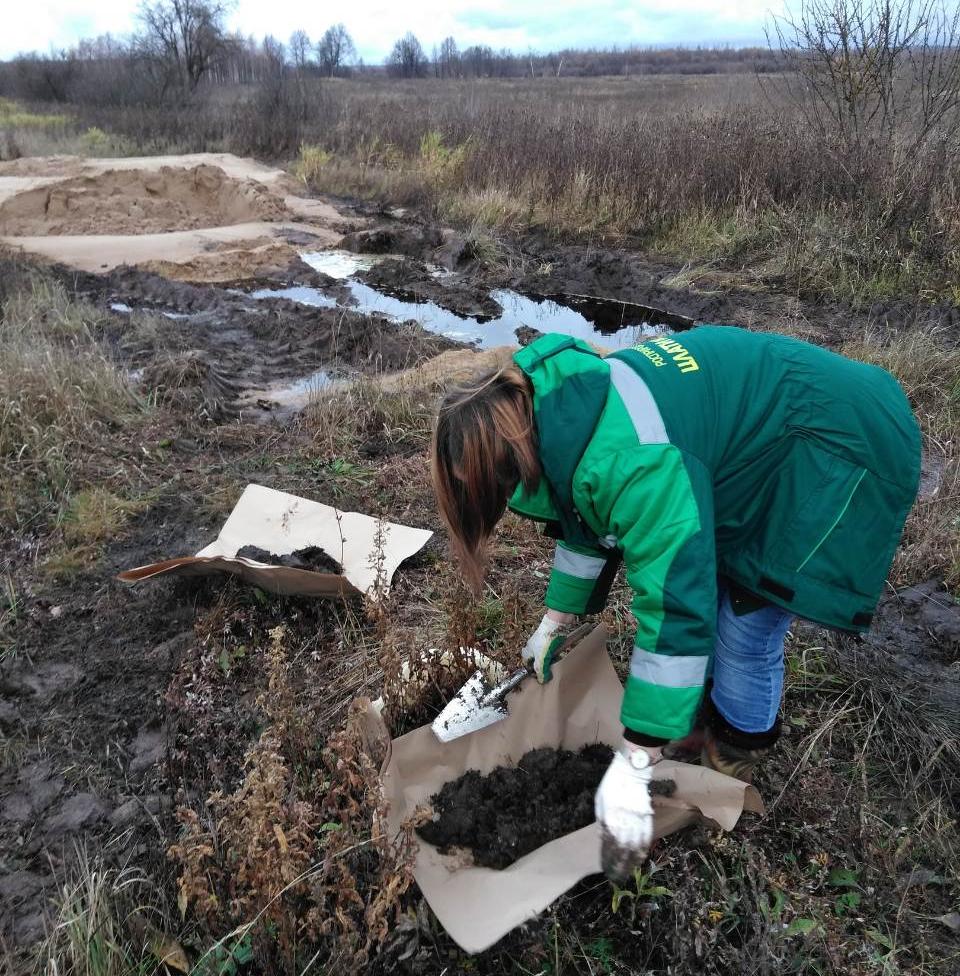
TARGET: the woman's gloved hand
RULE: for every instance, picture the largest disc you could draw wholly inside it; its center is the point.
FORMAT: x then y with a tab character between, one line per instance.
624	812
543	643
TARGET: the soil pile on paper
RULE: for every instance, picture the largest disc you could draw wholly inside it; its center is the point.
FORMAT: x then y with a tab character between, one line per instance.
139	201
312	558
513	810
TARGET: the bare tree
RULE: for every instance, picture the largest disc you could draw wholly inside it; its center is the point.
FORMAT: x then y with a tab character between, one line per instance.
876	79
182	40
335	50
449	58
46	78
300	49
407	59
477	61
275	55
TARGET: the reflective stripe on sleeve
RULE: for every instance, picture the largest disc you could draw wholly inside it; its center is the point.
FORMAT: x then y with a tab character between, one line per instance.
668	671
578	564
639	402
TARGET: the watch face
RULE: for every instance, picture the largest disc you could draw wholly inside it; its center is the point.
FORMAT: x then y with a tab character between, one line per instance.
638	758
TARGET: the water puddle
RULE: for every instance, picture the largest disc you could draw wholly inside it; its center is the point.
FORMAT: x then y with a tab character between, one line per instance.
605	322
309	385
297	293
124	309
340	264
292	395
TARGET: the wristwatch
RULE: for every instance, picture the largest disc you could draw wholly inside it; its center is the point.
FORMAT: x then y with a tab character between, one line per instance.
638	758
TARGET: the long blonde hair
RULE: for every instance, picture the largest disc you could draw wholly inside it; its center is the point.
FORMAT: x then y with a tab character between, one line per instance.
484	445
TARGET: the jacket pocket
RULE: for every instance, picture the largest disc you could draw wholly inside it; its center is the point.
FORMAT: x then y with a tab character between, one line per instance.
818	494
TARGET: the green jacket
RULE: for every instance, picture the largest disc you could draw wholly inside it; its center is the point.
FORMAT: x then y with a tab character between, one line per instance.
719	452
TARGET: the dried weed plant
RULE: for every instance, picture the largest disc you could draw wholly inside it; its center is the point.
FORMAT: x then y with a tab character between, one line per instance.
298	859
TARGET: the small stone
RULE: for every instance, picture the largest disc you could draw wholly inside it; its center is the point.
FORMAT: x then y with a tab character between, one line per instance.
20	885
77	811
125	814
56	612
17	808
149	747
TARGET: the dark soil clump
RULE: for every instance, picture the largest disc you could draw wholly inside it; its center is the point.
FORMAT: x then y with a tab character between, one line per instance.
312	558
515	809
663	787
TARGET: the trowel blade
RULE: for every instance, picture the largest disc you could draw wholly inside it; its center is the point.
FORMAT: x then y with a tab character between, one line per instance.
474	707
479	704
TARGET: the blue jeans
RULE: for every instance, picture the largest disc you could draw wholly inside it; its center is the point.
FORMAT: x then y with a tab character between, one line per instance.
748	665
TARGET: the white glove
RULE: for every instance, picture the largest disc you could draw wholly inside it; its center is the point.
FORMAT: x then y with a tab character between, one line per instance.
625	813
539	649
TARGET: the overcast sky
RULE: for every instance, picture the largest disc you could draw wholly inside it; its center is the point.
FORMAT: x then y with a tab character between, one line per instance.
543	25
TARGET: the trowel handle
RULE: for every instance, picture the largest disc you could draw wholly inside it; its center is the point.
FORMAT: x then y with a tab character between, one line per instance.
508	684
516	677
563	644
572	639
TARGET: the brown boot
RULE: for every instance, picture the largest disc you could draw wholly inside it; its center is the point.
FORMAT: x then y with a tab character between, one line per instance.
729	750
731	760
688	749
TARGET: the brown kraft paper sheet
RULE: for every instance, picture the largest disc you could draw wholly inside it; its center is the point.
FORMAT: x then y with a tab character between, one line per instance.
581	705
283	523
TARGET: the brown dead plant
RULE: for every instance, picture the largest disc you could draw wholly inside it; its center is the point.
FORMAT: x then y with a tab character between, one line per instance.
298	860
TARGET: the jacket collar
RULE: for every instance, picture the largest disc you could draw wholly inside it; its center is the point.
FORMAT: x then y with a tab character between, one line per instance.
570	384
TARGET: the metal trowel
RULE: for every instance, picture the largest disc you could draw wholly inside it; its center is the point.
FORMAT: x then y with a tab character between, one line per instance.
480	703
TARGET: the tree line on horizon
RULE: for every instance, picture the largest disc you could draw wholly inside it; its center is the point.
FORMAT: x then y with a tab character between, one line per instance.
181	45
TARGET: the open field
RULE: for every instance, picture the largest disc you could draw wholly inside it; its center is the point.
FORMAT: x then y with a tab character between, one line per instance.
183	777
717	171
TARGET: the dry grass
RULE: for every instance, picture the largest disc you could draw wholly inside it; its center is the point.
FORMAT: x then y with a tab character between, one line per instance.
710	168
24	132
108	923
97	514
928	368
706	177
92	518
60	395
339	420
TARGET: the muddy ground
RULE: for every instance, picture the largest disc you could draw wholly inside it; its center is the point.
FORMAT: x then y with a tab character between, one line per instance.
242	349
235	347
117	705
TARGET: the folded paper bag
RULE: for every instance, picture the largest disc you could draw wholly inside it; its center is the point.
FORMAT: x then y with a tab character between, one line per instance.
366	547
581	705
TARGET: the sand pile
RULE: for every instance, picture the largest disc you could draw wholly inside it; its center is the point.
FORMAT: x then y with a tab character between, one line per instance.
450	368
139	201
